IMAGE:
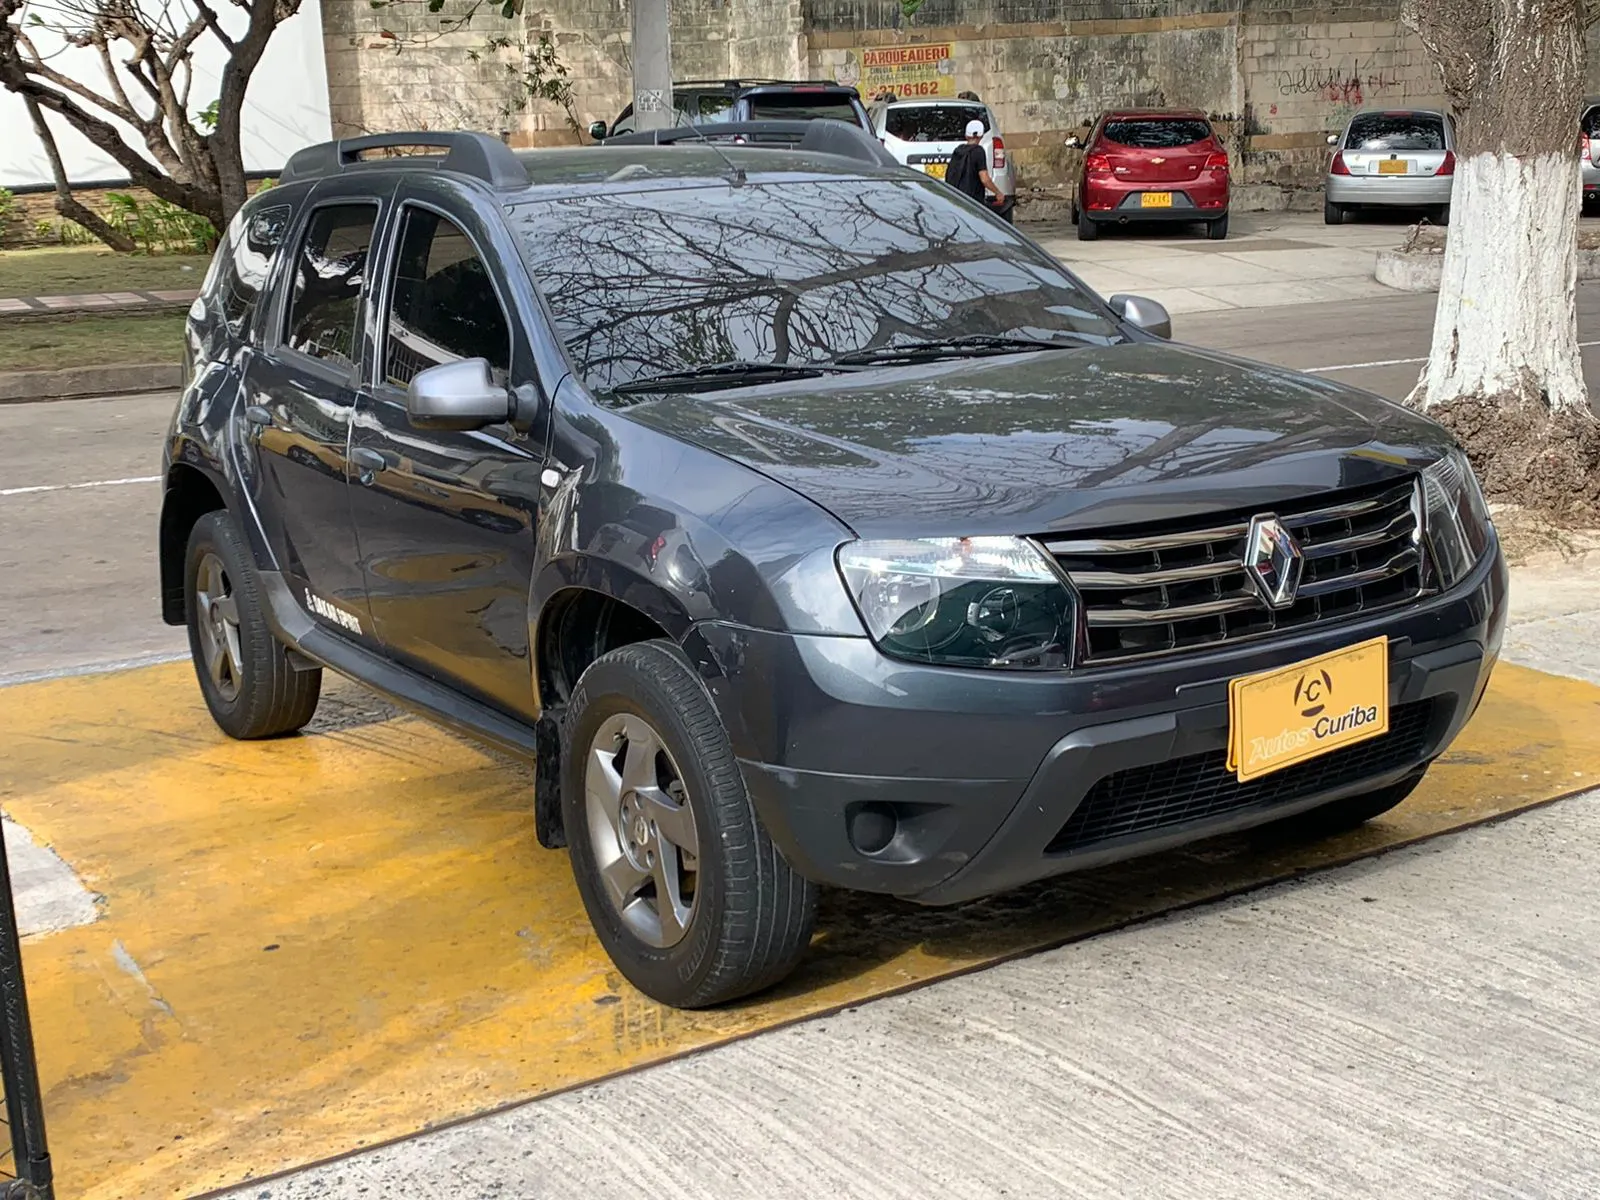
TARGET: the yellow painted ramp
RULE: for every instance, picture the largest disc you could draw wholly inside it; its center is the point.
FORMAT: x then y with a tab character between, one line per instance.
320	943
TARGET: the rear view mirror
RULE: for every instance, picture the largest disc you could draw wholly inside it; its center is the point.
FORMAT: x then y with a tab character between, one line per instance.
1333	139
597	130
458	395
1073	142
1143	313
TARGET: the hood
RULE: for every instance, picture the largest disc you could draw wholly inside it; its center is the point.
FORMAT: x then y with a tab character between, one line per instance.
1055	440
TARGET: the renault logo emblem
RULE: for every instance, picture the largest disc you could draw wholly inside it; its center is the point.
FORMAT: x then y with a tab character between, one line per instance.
1273	560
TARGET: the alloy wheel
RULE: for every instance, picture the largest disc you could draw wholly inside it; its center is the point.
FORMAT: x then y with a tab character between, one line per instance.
642	830
217	619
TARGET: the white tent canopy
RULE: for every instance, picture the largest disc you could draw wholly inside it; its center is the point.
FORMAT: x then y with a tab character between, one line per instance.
286	106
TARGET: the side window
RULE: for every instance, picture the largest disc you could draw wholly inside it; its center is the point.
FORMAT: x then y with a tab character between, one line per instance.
325	306
245	260
624	123
442	306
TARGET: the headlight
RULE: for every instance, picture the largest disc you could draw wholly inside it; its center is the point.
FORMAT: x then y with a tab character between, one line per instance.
1458	522
968	602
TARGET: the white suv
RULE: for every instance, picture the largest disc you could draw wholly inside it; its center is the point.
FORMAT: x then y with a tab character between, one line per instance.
925	133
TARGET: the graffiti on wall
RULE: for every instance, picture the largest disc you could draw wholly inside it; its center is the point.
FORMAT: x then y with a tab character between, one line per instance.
1345	83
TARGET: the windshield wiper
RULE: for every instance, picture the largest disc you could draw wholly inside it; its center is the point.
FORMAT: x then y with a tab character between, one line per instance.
969	346
737	373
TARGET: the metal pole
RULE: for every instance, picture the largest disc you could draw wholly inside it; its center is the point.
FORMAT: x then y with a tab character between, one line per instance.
24	1106
652	65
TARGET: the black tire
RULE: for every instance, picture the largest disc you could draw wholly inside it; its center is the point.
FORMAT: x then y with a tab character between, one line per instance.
1217	230
1439	214
752	914
1343	815
1088	229
268	697
1332	214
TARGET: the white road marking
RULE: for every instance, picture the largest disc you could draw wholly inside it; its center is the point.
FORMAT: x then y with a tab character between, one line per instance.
69	487
1391	362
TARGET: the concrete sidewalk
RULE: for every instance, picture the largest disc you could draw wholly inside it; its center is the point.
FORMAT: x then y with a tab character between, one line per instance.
135	301
1268	260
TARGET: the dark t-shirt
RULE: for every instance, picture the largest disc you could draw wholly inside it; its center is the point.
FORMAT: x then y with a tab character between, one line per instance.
966	164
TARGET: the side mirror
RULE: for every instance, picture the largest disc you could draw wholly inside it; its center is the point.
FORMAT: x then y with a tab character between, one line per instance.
1333	139
458	395
1073	142
1143	313
597	130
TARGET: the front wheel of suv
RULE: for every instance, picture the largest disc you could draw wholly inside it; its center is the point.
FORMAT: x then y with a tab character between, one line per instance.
249	684
684	888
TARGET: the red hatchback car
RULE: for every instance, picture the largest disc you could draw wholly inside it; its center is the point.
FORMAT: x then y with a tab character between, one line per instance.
1152	165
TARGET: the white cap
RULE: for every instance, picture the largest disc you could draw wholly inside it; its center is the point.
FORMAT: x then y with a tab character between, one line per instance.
974	128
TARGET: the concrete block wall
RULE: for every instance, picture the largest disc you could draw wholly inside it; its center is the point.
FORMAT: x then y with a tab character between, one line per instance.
1277	75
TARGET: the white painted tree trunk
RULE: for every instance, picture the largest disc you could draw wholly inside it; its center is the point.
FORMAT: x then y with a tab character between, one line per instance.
1507	320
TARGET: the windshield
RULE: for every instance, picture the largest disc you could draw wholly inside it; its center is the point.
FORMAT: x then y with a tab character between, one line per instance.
1396	131
647	283
1162	133
802	106
933	122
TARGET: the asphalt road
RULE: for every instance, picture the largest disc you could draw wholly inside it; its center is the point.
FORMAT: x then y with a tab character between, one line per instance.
78	506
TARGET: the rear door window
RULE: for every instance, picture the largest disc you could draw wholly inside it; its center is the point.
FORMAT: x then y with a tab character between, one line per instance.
1395	131
330	272
1591	122
716	106
802	106
933	122
1156	133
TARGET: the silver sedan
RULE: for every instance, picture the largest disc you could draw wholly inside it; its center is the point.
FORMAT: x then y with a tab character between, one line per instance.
1392	159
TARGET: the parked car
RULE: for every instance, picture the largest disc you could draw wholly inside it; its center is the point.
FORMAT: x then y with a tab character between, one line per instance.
1152	165
1588	133
925	133
1396	158
841	536
708	102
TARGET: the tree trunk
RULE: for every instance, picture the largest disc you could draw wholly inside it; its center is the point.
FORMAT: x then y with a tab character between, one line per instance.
1504	372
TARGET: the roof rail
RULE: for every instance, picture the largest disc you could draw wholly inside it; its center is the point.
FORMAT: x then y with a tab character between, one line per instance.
479	155
744	83
822	136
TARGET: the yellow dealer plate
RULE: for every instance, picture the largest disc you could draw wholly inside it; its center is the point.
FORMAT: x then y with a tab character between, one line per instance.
1393	166
1287	716
935	169
1155	200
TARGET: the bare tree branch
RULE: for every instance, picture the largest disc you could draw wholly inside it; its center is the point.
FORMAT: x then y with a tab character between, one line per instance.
67	204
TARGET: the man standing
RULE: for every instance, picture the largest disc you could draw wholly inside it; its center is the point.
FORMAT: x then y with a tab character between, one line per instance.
968	171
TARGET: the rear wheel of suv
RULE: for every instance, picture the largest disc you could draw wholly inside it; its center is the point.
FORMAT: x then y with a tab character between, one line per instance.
1217	229
251	688
1088	229
685	890
1332	214
1346	814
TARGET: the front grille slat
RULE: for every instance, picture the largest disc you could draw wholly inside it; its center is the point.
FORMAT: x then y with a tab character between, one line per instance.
1187	612
1162	591
1200	786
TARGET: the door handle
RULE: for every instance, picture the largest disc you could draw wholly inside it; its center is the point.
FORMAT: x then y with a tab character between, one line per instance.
368	459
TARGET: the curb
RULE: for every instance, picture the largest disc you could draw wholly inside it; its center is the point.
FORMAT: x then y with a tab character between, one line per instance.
76	312
27	387
1422	270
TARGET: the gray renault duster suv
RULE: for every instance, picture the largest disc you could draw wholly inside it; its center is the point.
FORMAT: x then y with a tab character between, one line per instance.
805	524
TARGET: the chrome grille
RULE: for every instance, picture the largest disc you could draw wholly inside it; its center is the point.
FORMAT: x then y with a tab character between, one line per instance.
1175	589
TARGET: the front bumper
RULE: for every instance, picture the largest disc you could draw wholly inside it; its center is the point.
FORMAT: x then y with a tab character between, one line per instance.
984	773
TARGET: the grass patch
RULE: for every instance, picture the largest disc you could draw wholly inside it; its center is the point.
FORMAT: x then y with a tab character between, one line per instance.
90	342
71	270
